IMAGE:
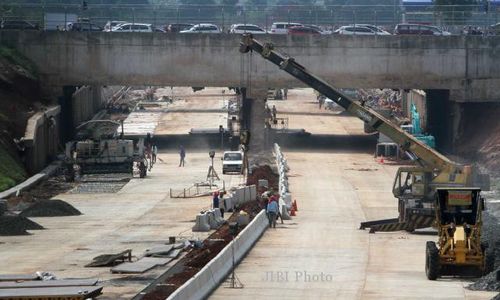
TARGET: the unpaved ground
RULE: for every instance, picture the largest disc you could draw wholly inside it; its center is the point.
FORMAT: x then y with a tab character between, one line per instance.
321	254
140	215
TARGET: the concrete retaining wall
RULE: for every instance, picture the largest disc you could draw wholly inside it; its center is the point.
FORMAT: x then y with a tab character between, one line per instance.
207	279
86	101
41	139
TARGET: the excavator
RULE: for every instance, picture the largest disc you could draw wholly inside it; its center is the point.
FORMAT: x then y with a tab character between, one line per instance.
414	186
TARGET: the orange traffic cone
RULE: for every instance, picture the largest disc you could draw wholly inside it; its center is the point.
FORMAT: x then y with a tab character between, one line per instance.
292	212
294	205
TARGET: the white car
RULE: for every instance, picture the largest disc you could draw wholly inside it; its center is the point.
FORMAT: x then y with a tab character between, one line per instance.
282	27
133	27
112	24
376	29
246	28
232	162
202	28
358	30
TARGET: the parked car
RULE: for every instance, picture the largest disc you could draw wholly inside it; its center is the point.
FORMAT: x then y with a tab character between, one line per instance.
376	29
246	28
282	27
83	26
419	29
177	27
358	30
202	28
112	24
133	27
494	29
302	30
18	24
321	30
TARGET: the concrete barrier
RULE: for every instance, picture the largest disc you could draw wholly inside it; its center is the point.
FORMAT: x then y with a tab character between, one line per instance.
201	285
285	202
41	138
32	181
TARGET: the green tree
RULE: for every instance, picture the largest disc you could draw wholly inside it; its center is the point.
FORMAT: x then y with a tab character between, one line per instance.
455	12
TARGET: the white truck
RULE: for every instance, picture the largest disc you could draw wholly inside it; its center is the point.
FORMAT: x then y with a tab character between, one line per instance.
232	162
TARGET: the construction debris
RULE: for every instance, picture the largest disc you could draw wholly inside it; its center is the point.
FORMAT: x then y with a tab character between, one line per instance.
50	208
110	259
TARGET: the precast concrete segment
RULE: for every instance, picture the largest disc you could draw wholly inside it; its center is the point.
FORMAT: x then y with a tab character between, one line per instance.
465	64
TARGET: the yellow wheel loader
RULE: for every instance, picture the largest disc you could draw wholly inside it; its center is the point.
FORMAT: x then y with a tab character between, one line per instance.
459	249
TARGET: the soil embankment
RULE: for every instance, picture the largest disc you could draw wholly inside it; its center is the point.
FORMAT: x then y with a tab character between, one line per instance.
20	98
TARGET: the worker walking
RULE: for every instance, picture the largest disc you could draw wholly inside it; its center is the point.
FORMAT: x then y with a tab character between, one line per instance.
272	212
274	112
155	152
182	153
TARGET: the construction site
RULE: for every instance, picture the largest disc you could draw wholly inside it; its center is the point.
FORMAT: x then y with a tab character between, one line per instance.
303	191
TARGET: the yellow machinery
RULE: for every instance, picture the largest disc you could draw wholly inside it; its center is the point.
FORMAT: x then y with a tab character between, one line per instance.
458	220
415	186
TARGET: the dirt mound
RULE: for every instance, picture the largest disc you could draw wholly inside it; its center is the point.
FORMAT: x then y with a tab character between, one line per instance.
50	208
16	225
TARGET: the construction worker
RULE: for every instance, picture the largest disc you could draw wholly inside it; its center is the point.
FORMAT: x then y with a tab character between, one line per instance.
274	112
155	152
272	212
182	154
215	200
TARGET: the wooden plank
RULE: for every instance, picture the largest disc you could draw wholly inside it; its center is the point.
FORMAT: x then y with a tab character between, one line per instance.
47	283
79	292
17	277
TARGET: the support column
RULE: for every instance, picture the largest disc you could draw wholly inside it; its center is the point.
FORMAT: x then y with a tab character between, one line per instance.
444	119
254	114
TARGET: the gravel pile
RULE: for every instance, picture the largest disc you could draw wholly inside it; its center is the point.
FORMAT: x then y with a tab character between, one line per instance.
16	225
490	233
98	187
50	208
486	283
490	230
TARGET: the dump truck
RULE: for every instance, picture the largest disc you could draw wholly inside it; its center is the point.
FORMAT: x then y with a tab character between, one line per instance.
459	249
101	151
414	186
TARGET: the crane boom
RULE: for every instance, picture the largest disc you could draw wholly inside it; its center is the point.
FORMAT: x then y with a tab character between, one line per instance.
429	157
414	187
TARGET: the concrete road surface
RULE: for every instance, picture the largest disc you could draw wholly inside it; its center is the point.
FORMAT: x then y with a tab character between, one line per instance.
137	217
321	254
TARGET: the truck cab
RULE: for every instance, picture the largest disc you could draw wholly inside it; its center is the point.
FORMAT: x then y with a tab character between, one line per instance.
232	162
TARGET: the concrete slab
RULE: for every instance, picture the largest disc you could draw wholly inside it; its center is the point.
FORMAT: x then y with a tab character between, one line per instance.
142	265
47	283
18	277
82	292
158	250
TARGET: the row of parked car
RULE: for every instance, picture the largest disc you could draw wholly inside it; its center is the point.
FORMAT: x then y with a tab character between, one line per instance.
276	28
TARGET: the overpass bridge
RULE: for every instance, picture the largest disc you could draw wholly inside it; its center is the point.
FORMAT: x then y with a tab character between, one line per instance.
467	66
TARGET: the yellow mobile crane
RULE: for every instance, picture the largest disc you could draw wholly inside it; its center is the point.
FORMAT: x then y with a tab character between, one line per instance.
415	186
